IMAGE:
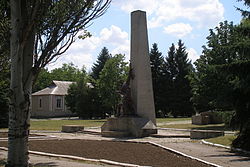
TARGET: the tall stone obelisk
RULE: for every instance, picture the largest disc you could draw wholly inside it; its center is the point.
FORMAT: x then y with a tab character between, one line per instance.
141	123
141	85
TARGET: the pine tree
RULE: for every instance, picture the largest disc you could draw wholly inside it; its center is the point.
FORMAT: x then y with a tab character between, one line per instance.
157	69
103	57
184	106
179	66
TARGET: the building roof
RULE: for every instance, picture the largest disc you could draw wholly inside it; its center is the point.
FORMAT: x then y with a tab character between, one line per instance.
56	88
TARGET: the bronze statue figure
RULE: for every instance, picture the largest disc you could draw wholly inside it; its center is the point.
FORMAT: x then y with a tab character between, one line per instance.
126	108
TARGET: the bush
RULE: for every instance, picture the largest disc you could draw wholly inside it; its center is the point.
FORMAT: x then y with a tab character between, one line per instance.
226	117
243	139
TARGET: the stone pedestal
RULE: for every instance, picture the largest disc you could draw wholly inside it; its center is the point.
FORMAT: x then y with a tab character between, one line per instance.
128	127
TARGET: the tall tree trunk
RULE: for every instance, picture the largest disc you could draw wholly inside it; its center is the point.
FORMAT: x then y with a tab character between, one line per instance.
22	43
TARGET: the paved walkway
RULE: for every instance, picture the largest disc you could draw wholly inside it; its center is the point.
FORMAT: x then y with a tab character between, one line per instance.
216	155
45	161
219	156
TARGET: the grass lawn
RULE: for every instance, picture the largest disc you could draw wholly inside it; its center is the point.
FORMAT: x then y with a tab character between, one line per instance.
223	140
57	124
200	127
161	120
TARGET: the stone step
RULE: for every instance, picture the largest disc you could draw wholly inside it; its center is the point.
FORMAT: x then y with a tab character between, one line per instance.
114	133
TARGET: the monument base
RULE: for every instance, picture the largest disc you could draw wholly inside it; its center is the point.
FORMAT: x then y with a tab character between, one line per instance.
128	127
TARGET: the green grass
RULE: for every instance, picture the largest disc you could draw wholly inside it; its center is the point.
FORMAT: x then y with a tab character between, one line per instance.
161	120
223	140
57	124
200	127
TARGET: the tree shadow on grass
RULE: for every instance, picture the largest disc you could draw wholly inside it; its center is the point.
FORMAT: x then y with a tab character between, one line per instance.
213	127
230	153
100	121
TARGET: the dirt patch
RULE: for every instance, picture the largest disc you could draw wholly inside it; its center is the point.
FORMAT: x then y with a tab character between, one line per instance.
126	152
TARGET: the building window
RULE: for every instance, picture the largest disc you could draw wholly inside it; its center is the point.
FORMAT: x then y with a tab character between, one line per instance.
58	102
40	102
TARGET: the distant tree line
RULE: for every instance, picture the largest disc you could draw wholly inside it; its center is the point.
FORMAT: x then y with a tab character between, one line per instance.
96	95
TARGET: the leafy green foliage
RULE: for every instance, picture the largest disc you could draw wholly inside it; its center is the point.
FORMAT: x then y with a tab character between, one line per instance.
112	77
80	99
68	72
211	88
221	80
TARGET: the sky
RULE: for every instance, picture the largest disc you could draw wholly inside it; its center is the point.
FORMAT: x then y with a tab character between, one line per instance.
167	22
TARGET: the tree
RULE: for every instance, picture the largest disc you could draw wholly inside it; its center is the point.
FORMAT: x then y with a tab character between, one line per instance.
103	57
240	83
80	99
245	13
68	72
43	80
4	63
111	79
222	77
40	32
158	78
211	89
179	66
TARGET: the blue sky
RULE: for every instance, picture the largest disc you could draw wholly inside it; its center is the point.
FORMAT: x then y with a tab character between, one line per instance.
168	21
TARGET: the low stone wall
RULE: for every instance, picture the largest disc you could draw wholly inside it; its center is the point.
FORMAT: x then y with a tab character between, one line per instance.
205	118
200	120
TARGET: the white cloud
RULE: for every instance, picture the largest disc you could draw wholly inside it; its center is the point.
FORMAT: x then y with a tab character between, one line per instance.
202	13
132	5
117	38
84	52
192	54
178	29
114	35
79	53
